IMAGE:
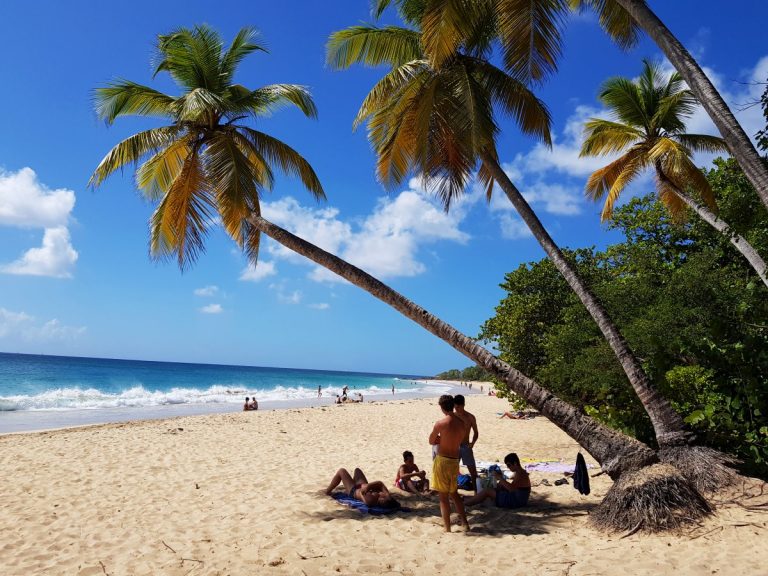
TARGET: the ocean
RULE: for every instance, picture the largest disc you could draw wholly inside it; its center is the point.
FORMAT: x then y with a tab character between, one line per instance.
40	392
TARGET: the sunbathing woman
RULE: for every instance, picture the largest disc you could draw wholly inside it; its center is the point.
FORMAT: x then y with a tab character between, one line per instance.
357	486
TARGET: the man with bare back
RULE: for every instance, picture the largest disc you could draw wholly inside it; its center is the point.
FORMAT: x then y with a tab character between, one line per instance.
448	434
466	449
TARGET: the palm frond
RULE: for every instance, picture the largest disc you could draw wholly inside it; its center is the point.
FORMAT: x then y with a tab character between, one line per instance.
667	191
179	224
200	105
372	46
616	21
623	98
289	161
531	36
515	99
155	177
192	57
611	180
389	86
604	137
702	143
672	110
132	150
268	99
125	98
445	25
242	45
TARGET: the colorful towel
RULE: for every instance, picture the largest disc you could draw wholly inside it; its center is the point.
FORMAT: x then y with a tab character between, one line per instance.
363	508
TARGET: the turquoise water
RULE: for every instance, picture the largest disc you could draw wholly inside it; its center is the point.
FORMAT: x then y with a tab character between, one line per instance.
43	392
30	382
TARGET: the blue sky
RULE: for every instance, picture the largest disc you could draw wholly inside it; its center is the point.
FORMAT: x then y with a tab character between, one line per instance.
75	276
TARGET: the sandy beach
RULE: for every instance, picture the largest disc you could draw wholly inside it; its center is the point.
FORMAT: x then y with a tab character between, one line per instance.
242	493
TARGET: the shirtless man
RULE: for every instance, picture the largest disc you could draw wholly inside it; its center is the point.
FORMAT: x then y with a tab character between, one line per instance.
357	486
409	477
247	405
448	433
512	493
465	451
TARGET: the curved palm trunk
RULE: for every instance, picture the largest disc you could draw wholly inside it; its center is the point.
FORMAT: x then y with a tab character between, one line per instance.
737	140
617	453
667	424
738	241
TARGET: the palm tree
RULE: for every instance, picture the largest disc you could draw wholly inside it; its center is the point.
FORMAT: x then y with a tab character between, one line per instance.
206	161
666	498
439	122
531	36
649	127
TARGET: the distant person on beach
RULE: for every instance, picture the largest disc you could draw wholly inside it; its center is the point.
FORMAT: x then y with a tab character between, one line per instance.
466	450
319	391
254	403
344	390
409	477
393	389
448	434
338	399
513	493
357	486
247	405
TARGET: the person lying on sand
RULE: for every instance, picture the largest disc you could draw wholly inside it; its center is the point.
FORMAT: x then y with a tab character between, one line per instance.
409	477
511	493
357	486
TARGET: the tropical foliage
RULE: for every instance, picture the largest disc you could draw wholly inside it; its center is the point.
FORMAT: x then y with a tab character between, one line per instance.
207	162
690	310
470	373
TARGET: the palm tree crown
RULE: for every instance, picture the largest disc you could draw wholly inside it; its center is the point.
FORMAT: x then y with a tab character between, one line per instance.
206	161
436	121
649	128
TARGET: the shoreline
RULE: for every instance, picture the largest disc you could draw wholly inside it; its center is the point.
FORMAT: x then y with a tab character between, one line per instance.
31	421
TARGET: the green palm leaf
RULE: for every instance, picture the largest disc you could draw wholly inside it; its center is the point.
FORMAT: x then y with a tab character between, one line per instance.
125	98
605	137
372	46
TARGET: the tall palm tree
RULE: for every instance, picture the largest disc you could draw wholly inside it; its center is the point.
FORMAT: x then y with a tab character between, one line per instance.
440	123
197	54
207	160
649	127
530	32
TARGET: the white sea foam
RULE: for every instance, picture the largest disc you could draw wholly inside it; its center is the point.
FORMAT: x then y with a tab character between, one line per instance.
137	396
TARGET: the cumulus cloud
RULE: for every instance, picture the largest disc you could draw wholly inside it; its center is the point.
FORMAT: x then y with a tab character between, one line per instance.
386	243
27	203
212	309
20	325
293	297
56	257
206	291
257	273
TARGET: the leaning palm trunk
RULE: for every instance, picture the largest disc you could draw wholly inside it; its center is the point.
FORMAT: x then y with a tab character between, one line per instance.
667	424
646	494
738	241
737	140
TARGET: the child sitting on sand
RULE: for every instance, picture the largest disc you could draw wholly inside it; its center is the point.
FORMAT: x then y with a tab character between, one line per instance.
409	477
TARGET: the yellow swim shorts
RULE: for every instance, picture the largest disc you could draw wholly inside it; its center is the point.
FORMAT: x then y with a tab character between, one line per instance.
445	473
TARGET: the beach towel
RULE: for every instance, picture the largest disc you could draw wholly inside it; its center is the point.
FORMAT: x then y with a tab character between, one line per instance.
363	508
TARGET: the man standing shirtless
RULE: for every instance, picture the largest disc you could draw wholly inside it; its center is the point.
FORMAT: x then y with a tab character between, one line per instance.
448	434
465	450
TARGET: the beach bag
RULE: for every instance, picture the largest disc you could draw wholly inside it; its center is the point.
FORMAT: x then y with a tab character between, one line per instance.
465	482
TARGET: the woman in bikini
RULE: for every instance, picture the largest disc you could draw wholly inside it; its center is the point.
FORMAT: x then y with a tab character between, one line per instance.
357	486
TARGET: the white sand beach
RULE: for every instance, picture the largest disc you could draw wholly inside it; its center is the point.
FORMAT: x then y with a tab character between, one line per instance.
242	493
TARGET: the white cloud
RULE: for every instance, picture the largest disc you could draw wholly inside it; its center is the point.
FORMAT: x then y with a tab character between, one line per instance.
320	306
56	257
290	298
513	228
19	325
256	273
386	243
212	309
26	203
207	291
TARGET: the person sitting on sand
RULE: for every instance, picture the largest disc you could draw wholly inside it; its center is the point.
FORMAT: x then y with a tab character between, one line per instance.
513	493
409	477
514	415
338	399
247	405
357	486
254	403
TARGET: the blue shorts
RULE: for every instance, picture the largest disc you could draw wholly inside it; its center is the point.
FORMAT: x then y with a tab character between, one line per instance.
512	499
467	455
